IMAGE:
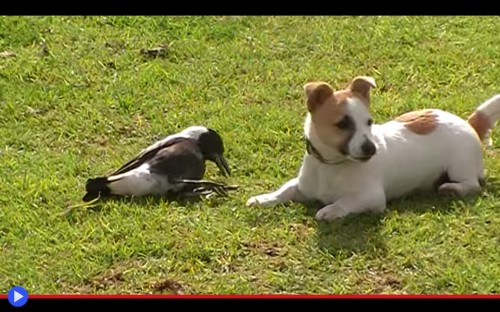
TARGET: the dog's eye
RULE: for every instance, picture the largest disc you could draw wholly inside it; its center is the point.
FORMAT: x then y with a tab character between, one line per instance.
369	122
345	123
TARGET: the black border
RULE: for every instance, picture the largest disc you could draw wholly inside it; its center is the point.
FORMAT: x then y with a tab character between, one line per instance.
257	7
313	304
331	8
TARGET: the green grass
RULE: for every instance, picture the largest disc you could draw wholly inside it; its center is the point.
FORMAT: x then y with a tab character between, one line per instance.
89	101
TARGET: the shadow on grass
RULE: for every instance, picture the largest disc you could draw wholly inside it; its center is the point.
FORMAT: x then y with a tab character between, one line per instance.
153	200
360	233
146	201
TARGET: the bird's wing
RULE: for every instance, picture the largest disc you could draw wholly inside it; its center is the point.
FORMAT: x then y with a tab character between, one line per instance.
182	160
148	153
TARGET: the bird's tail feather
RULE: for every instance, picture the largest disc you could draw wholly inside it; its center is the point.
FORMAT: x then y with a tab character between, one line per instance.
96	187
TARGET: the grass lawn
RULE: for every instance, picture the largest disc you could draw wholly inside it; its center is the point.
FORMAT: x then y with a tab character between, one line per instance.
78	99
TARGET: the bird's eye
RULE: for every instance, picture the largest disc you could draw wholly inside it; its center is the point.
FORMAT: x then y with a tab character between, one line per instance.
369	122
345	123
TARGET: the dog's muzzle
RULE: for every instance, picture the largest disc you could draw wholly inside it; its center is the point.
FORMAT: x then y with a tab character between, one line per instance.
368	150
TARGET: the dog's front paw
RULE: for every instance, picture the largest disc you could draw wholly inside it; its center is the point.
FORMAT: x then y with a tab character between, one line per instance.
252	201
330	213
264	200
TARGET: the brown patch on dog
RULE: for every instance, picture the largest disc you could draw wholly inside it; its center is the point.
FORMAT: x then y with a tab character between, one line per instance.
480	123
362	85
420	122
328	107
317	93
326	116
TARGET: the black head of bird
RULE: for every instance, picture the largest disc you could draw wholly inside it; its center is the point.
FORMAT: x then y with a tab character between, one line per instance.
212	147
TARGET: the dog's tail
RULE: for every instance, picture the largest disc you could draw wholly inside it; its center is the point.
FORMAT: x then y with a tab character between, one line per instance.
96	187
484	118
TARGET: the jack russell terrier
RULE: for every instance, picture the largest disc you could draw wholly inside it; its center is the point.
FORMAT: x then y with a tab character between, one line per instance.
352	165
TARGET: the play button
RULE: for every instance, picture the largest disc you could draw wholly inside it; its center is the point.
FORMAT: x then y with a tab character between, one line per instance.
17	296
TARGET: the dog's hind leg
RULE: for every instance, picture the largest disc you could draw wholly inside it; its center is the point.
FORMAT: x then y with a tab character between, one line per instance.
465	179
286	193
464	188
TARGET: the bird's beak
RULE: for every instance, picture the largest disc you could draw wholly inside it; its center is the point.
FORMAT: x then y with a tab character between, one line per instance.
222	164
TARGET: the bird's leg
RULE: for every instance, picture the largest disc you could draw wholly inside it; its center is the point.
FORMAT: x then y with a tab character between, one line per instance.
204	187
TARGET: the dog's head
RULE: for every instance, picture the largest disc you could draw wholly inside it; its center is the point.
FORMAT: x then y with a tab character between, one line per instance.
341	119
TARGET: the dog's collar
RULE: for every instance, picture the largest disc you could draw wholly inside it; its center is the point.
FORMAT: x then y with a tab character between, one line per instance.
311	150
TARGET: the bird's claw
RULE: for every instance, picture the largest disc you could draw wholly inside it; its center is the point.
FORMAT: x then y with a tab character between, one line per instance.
208	188
212	188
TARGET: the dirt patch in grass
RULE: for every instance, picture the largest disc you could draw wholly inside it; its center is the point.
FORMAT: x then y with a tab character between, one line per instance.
265	248
168	285
106	279
380	281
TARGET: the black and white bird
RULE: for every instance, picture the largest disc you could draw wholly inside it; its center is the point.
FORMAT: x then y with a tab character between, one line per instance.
175	164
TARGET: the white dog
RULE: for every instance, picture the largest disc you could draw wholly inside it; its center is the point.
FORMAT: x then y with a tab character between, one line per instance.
353	166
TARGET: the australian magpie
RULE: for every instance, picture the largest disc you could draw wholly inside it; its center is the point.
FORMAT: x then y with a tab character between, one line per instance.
175	164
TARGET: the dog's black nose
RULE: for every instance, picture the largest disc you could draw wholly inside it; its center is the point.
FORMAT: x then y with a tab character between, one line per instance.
368	148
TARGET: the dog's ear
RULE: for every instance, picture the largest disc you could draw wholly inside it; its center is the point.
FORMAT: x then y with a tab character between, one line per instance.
317	93
362	85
